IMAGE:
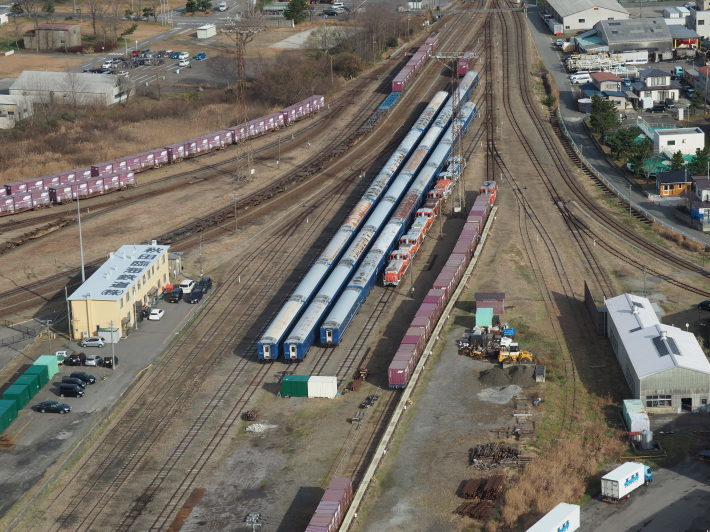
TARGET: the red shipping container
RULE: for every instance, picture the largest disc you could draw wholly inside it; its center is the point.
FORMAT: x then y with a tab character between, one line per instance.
60	194
40	198
52	181
16	188
22	201
35	184
7	204
101	169
176	152
112	182
127	180
398	374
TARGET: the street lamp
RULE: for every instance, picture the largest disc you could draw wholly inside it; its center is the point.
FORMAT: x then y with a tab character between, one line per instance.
630	199
278	158
113	352
49	334
234	197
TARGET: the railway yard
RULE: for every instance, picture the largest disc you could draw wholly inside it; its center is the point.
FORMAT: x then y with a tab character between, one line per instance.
193	434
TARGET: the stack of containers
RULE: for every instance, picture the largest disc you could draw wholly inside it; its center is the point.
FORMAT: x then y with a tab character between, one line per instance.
51	362
306	386
8	413
41	370
332	507
20	393
31	381
414	65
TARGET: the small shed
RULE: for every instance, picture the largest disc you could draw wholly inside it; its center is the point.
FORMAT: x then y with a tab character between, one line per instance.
540	373
294	386
484	317
322	387
494	300
206	31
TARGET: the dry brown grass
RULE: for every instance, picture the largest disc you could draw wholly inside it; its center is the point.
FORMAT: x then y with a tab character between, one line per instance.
560	474
681	240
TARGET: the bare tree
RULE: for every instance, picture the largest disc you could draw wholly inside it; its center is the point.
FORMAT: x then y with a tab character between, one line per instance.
32	8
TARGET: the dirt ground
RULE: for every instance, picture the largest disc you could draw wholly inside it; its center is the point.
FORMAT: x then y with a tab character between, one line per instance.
13	65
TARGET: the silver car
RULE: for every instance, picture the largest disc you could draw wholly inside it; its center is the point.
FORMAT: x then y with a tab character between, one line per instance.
95	341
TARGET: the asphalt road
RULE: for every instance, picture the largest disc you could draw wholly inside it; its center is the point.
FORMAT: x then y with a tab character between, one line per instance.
573	119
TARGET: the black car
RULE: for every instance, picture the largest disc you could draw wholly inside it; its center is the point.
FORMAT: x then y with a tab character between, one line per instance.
704	305
88	378
204	284
658	108
110	362
330	13
173	296
75	359
73	380
53	406
194	297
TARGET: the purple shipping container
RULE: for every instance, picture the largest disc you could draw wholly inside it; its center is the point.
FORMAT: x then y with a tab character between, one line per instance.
40	198
317	102
80	189
94	186
52	181
425	309
101	169
23	201
112	182
423	323
398	374
7	205
127	180
61	194
176	152
239	133
36	184
16	188
67	177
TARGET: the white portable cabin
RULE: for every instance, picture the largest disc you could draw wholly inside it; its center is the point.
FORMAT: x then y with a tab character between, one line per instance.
562	518
322	387
206	31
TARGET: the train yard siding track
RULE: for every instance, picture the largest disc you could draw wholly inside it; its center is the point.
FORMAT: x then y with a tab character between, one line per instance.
147	496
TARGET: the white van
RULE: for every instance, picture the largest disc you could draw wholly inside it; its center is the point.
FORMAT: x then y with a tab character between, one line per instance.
222	6
580	77
338	5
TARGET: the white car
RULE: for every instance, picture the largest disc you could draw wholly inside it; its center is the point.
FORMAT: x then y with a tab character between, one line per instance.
156	314
184	62
107	64
93	360
183	55
187	285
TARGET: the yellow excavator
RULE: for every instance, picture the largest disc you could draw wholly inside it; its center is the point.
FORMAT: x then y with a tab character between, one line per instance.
510	352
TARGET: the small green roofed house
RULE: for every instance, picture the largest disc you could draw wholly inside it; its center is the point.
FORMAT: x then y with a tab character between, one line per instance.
294	386
484	317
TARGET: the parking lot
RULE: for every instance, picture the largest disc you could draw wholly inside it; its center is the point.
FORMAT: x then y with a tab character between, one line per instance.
41	438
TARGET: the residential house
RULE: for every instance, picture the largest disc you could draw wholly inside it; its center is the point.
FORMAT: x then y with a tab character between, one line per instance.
699	203
657	85
54	37
699	19
575	15
673	183
606	81
679	139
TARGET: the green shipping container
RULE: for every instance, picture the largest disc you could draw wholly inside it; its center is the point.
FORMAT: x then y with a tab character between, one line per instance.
51	362
42	371
295	386
31	380
484	317
8	413
20	393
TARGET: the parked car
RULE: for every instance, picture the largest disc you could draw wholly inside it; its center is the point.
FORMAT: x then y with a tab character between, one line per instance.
145	312
204	284
107	64
658	108
93	360
560	43
222	6
110	362
53	406
704	455
72	380
94	341
184	62
183	55
200	57
704	305
156	314
194	297
330	13
173	296
70	390
175	55
75	359
186	285
88	378
669	103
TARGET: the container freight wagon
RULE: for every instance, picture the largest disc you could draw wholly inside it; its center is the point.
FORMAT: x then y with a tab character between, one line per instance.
415	64
307	330
562	518
151	159
463	65
270	343
619	483
337	322
332	507
407	355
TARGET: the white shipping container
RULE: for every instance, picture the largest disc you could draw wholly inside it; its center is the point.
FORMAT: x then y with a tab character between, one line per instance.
562	517
638	422
323	387
618	483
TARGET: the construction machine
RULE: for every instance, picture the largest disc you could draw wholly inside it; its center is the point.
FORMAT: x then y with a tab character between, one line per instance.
510	352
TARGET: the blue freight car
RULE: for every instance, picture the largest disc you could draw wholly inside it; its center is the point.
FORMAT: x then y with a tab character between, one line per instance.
390	101
347	306
305	332
270	343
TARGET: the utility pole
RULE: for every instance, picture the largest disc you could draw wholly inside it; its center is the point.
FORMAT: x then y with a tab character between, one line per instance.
113	353
234	197
81	239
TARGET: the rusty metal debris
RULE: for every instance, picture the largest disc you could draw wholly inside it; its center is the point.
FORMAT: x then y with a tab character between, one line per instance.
475	510
482	488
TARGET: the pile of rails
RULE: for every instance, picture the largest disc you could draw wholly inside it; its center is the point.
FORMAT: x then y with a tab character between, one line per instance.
332	507
415	64
482	488
412	345
491	455
109	176
397	191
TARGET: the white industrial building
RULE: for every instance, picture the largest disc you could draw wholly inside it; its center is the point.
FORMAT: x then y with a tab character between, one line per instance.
680	139
664	366
699	19
575	15
70	88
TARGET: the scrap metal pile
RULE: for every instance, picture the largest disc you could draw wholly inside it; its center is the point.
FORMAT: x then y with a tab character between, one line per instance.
486	491
490	455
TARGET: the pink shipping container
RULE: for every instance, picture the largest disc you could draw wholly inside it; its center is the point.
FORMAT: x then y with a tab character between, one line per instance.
61	194
52	181
423	323
101	169
398	374
176	152
40	198
239	133
342	483
35	184
80	189
16	188
127	180
67	177
7	205
112	182
23	201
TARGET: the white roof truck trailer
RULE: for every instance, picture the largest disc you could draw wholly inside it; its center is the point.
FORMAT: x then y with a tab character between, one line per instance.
563	517
619	483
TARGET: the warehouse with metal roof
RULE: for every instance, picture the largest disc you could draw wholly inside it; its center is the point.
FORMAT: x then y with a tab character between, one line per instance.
113	297
635	34
664	366
577	15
